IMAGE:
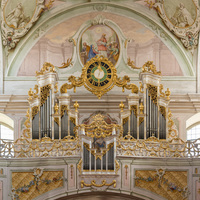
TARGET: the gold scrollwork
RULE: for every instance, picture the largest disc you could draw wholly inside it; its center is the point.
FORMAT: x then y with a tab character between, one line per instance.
132	64
125	120
162	94
44	93
67	64
73	120
135	109
35	110
141	89
63	109
56	119
150	67
100	89
93	183
141	119
47	68
153	93
98	128
27	122
172	132
163	111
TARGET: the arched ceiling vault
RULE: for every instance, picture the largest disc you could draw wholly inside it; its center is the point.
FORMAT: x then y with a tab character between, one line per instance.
141	14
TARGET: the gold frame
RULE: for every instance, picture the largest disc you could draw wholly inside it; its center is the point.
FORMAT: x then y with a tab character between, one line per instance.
99	91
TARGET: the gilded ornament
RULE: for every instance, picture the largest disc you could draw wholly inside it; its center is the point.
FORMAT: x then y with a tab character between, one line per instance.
56	88
93	183
56	119
150	3
141	119
125	120
172	132
162	94
167	93
141	107
56	108
99	128
67	64
132	64
141	89
99	76
117	166
79	166
47	68
121	105
76	106
63	109
163	111
153	93
135	109
150	67
44	93
35	110
73	120
49	4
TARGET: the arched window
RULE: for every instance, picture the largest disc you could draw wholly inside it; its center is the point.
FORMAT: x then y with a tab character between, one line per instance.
194	132
193	127
6	128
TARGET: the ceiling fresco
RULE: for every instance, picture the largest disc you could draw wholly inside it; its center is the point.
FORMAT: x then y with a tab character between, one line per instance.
144	45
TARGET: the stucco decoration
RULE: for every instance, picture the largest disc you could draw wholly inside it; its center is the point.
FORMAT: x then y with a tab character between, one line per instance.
182	17
17	18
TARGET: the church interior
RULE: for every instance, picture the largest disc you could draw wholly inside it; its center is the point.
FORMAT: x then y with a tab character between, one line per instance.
100	99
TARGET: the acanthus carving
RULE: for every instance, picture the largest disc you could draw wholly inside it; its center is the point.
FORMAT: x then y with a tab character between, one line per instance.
153	93
44	93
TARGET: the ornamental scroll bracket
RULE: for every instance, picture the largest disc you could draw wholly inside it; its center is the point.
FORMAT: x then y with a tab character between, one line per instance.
99	89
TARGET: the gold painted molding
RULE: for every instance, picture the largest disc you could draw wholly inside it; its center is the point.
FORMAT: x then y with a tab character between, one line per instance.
93	183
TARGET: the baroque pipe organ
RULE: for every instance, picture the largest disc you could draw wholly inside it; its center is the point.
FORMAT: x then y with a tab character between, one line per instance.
53	121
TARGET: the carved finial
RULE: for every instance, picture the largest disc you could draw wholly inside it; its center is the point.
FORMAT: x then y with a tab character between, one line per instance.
121	105
141	107
167	93
76	106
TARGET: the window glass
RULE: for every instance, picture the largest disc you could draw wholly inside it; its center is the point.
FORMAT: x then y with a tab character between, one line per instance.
193	133
6	133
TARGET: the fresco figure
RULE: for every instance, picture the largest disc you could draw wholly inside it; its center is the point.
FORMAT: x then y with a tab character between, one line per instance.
182	17
85	52
114	52
102	45
92	53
